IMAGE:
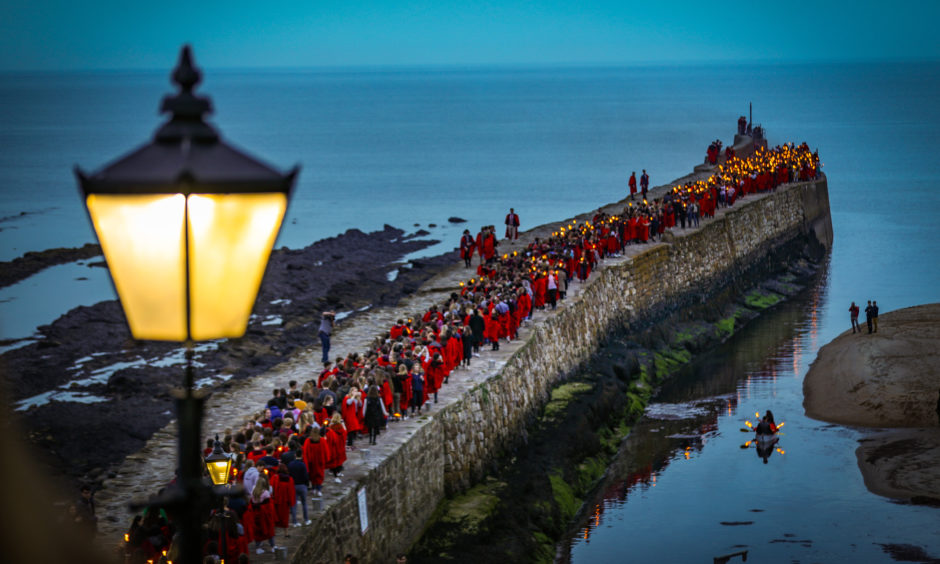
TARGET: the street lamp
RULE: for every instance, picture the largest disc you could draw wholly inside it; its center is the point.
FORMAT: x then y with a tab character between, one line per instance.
219	464
186	223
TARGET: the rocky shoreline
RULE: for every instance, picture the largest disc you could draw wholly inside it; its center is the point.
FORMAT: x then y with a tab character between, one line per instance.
88	352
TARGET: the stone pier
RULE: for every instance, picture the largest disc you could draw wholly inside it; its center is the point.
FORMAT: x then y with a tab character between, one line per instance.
483	411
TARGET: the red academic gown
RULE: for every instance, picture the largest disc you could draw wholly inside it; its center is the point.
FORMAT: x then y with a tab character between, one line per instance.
489	246
316	455
351	415
262	517
336	441
284	497
467	246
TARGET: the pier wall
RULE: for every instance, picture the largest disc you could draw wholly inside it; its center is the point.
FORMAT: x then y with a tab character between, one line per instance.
456	445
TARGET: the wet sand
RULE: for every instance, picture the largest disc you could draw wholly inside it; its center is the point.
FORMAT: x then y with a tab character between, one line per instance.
888	379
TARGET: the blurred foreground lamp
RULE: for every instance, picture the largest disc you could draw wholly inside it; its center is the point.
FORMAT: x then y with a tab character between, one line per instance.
186	223
218	464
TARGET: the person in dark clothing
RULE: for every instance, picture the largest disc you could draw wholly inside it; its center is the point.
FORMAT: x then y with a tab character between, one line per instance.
868	316
297	469
874	315
467	343
398	390
326	329
373	411
477	325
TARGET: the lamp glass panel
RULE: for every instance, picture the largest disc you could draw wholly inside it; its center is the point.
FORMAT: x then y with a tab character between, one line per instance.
218	470
143	243
230	240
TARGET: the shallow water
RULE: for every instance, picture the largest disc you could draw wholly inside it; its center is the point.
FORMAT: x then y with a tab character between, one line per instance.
685	491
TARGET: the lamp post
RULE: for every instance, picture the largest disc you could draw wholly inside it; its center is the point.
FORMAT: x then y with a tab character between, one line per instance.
219	464
186	223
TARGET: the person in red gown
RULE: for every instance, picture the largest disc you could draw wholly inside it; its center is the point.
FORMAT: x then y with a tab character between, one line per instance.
284	496
336	443
350	406
632	183
512	225
316	455
261	512
467	246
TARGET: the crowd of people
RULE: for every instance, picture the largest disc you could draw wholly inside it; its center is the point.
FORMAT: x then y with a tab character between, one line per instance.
297	444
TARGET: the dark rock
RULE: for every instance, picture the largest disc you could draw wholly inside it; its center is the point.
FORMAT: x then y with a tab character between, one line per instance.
454	219
421	233
350	268
30	263
432	225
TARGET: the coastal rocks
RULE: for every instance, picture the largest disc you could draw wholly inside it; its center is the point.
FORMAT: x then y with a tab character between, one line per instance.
30	263
90	351
453	219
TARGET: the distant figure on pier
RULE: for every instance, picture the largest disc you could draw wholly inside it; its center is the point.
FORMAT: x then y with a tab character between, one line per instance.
326	329
512	225
644	183
467	245
632	184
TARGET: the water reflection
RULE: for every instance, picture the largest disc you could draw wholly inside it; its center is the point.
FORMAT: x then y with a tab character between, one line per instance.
682	490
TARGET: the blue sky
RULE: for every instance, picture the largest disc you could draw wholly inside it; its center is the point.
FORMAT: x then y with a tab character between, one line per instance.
76	35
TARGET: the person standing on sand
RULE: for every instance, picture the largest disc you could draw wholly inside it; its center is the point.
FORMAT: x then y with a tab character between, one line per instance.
644	183
868	316
853	314
632	184
326	329
512	225
874	315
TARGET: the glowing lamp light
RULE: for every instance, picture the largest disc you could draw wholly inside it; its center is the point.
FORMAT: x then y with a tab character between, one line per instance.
186	224
218	464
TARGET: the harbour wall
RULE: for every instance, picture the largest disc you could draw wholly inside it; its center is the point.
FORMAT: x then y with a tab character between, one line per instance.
454	448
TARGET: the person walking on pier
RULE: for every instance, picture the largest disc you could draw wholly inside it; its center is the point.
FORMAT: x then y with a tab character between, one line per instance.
467	245
853	314
512	225
326	329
